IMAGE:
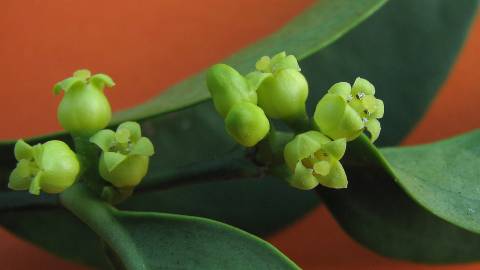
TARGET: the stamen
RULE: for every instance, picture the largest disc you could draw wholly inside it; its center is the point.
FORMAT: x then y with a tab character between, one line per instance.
360	95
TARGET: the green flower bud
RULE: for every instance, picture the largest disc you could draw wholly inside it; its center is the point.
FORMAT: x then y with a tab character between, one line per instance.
84	108
125	154
284	93
277	62
247	124
345	111
51	167
228	87
313	159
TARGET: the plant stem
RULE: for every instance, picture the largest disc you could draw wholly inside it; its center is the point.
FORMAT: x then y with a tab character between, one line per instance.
88	154
299	123
100	217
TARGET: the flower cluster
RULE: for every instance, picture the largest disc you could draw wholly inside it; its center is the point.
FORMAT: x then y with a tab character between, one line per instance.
84	111
125	154
278	90
51	167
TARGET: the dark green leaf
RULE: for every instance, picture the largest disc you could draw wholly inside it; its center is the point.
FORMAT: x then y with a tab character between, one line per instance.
406	50
443	177
147	240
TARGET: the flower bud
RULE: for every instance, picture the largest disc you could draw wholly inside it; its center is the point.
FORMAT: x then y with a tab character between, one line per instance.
84	108
51	167
125	154
284	93
345	111
313	159
227	88
247	124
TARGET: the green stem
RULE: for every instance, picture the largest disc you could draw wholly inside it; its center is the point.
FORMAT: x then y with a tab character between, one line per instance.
88	154
299	123
100	217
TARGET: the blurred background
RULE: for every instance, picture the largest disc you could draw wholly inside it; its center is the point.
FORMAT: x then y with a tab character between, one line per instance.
149	45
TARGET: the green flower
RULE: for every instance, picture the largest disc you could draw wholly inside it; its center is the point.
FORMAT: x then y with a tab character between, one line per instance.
313	159
345	111
247	124
84	108
284	90
51	167
125	154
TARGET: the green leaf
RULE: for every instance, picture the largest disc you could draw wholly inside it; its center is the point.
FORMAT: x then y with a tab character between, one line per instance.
142	240
406	50
442	177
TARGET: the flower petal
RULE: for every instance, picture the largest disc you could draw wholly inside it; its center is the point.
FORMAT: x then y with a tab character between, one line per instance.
82	74
336	148
378	113
113	159
343	89
373	127
363	86
101	80
104	139
19	179
322	167
35	184
133	128
255	79
143	147
336	177
303	178
23	150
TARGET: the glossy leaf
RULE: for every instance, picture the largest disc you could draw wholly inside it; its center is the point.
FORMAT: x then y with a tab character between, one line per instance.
142	240
443	177
406	50
378	213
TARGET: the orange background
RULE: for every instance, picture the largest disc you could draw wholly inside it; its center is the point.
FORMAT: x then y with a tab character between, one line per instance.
147	46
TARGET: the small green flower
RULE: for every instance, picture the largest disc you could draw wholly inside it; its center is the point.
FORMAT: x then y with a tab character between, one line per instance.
51	167
313	159
345	111
84	108
282	95
247	124
125	157
228	88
